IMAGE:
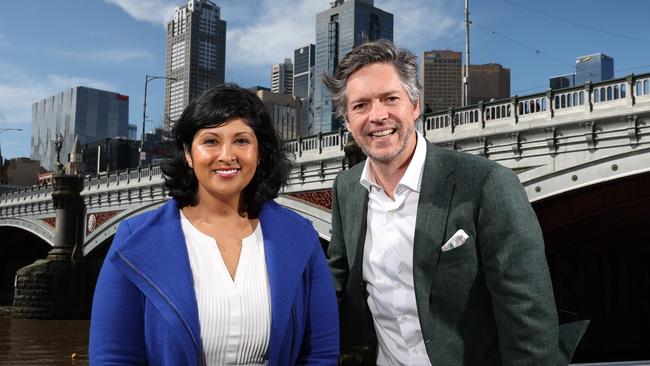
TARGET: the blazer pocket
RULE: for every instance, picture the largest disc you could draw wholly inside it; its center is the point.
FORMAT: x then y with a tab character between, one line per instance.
456	240
460	257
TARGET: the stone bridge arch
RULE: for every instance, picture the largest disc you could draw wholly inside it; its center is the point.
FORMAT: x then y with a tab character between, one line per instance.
19	246
598	250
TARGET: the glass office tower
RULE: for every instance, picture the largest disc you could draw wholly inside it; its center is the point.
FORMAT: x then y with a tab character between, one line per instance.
345	25
91	114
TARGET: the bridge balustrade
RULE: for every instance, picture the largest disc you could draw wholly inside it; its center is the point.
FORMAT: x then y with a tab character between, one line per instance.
319	158
643	87
498	111
609	93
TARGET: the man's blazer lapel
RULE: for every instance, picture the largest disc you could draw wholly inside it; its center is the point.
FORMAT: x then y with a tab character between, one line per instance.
436	191
154	257
356	221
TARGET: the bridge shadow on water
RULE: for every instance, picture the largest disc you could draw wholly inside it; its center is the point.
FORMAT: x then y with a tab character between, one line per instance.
598	249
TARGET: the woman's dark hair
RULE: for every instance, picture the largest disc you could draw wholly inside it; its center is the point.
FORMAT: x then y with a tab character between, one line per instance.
212	109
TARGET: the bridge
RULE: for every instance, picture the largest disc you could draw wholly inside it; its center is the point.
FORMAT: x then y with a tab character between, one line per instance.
558	141
581	153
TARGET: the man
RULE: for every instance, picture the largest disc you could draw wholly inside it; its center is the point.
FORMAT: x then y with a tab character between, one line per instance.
437	255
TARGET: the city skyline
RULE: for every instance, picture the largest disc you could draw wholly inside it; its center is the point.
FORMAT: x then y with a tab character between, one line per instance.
48	47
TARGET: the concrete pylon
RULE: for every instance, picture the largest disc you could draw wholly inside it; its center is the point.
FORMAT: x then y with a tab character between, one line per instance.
55	287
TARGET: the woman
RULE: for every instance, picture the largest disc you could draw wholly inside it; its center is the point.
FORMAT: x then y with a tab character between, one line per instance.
220	274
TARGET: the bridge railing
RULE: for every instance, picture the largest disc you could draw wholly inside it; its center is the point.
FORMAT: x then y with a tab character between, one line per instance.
316	157
123	177
540	106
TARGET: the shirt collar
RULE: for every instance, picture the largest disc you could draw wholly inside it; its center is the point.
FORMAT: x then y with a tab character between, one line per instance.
412	177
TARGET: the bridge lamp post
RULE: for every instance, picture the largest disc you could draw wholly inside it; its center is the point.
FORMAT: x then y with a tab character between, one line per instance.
147	79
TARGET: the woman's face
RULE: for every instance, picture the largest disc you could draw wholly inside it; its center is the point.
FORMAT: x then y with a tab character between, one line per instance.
224	159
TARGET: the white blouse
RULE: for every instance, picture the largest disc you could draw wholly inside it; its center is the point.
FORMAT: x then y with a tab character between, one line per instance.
235	316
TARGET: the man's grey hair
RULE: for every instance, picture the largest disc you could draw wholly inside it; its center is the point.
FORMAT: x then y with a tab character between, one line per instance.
380	51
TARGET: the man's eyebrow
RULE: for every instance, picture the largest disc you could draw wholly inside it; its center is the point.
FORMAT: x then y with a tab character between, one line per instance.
387	93
365	98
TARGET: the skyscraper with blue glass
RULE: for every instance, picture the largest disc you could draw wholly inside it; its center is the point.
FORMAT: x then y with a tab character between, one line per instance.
345	25
594	68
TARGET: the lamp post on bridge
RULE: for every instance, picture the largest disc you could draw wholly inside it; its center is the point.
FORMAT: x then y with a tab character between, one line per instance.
147	79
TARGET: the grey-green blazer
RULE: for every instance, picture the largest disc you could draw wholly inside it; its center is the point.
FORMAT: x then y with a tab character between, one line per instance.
487	302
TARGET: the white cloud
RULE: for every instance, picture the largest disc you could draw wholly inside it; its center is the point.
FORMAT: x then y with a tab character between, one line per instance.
18	91
109	56
152	11
281	27
261	33
424	24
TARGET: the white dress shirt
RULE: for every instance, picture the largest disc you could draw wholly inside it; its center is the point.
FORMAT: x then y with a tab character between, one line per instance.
388	264
235	315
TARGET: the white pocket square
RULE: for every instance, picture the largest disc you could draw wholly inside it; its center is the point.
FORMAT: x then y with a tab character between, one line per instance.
456	240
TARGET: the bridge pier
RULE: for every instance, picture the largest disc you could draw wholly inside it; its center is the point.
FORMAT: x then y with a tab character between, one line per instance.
56	287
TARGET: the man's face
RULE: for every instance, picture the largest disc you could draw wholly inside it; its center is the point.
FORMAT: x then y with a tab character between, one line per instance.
380	116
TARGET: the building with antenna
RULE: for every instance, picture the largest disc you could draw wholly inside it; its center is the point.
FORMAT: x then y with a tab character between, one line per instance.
196	55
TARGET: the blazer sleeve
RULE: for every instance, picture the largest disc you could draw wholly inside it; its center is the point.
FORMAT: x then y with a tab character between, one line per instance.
116	323
320	344
512	251
338	261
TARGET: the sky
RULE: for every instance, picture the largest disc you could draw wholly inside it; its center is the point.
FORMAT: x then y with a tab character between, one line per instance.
47	46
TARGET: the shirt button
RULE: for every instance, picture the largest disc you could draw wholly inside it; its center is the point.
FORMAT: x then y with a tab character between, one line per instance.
402	318
399	285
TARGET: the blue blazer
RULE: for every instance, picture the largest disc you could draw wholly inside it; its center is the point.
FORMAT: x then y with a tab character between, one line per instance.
145	311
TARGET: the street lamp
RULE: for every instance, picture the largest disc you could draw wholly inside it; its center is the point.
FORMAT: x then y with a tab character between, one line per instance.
147	79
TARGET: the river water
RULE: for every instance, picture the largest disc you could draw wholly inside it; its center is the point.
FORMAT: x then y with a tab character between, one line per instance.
42	342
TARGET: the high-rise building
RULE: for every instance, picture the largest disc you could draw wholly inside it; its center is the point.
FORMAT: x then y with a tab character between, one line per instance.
282	77
441	79
90	114
345	25
133	132
303	84
196	55
284	111
594	68
488	81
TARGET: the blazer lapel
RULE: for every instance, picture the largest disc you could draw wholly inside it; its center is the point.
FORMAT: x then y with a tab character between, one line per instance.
357	214
433	208
154	257
286	260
